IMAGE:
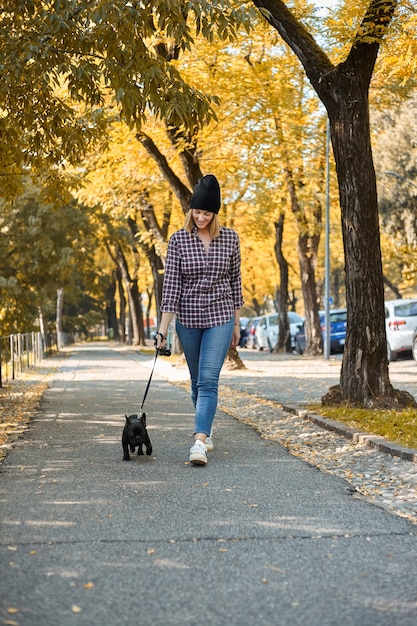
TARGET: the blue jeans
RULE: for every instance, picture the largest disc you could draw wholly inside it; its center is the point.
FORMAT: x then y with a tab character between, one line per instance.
205	350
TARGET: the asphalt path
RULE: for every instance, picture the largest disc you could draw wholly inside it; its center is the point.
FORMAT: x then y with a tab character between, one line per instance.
255	537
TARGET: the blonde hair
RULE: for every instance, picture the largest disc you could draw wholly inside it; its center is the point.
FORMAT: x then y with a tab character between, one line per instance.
214	226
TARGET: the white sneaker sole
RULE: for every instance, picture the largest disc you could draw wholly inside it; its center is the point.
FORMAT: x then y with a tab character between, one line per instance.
198	458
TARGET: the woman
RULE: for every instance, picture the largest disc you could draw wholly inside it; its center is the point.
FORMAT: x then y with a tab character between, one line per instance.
202	286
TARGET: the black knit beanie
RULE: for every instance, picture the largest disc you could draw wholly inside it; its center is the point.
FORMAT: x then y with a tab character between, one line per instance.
206	194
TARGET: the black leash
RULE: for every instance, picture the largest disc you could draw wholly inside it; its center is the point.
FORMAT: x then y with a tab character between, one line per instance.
164	352
149	381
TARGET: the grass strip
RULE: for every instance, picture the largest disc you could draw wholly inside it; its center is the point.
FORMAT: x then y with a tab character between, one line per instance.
397	426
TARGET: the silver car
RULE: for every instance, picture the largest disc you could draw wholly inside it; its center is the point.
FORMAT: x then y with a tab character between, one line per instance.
267	330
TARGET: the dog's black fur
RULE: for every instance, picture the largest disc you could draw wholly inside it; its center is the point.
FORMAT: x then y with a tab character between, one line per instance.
135	434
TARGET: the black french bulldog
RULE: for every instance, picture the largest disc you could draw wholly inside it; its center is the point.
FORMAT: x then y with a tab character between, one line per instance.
135	434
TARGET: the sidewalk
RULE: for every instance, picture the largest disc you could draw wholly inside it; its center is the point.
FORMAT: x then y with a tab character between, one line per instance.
272	394
256	537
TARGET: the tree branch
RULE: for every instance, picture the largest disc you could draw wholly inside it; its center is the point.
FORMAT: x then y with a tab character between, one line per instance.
181	191
365	45
314	60
319	69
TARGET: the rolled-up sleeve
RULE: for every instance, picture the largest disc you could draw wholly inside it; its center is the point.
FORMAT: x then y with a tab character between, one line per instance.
171	291
235	276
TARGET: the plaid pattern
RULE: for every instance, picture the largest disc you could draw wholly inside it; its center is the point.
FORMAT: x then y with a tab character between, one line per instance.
203	289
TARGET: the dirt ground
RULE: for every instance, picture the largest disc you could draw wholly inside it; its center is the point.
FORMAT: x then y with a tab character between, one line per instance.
19	400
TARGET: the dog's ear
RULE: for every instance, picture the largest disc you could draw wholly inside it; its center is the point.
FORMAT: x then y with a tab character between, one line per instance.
143	418
127	419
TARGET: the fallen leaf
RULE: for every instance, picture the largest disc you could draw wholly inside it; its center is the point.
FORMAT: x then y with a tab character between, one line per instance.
276	569
12	610
150	551
88	585
76	609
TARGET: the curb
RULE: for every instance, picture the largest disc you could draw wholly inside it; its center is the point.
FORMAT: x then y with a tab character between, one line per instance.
358	436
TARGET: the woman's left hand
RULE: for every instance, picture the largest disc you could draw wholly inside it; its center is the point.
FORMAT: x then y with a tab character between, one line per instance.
235	337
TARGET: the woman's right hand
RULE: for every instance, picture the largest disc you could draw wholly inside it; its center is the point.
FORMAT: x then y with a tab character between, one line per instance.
160	341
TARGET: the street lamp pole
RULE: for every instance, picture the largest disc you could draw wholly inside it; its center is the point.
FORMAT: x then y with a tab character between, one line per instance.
327	251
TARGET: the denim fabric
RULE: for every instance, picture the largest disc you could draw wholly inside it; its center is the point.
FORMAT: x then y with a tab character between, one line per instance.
205	350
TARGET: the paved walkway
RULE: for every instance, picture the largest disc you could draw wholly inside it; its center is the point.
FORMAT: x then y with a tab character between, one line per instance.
272	394
258	536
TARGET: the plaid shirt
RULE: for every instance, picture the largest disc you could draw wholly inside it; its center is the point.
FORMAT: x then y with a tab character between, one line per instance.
202	288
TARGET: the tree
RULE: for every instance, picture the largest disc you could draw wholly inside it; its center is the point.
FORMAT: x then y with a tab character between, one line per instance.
44	248
121	182
57	54
343	89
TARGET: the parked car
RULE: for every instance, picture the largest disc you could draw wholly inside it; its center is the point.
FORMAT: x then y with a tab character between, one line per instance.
338	319
267	330
244	332
400	323
251	327
414	348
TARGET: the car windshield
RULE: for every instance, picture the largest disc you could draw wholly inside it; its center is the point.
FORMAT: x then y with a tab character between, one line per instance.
406	310
341	316
334	316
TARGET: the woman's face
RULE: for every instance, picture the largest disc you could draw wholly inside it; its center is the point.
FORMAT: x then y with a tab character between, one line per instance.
202	218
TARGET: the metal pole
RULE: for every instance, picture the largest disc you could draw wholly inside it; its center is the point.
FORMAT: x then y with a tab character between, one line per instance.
12	354
327	251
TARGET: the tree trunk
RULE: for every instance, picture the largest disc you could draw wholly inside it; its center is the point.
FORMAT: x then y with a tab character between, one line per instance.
307	247
59	307
150	293
312	327
111	316
284	337
233	360
122	300
156	261
131	286
364	374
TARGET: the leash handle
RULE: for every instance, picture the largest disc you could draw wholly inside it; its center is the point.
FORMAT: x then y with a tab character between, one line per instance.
149	381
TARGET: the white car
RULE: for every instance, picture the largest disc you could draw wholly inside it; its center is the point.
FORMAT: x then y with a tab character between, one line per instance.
400	323
267	330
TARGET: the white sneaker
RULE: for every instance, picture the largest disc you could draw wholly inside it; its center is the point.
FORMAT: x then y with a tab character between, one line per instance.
198	454
209	444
